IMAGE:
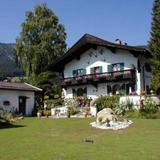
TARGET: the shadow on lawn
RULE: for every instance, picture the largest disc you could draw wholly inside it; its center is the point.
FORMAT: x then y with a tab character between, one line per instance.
8	125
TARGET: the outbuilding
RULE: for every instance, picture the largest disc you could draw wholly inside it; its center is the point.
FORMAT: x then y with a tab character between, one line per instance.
18	97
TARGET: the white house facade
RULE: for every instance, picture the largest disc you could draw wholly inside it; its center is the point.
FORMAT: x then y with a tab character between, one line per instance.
18	97
94	67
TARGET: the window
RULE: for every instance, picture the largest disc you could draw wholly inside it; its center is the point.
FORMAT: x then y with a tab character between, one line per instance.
116	67
147	67
96	70
6	103
79	92
79	72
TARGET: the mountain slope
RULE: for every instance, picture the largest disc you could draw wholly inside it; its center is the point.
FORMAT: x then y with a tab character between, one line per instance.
7	62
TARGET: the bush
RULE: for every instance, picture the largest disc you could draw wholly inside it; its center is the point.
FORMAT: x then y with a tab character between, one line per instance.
51	103
150	106
150	111
106	102
7	117
123	108
46	112
71	111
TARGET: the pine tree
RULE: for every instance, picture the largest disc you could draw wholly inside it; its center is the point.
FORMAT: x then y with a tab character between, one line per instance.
154	45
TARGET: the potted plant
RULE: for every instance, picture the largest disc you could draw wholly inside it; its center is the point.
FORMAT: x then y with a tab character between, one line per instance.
79	78
70	111
39	113
46	113
88	77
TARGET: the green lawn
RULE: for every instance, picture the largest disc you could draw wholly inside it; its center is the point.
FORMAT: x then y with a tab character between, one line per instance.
61	139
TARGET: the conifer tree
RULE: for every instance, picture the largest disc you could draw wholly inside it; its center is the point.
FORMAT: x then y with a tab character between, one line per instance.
154	45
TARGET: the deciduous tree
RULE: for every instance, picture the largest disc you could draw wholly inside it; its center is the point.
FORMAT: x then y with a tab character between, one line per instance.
41	40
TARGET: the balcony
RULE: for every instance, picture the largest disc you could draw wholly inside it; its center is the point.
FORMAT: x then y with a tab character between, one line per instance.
94	79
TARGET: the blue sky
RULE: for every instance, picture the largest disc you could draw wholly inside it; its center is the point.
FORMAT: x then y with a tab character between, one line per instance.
129	20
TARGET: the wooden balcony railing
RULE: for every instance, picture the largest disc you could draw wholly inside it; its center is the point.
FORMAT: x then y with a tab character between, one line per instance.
125	75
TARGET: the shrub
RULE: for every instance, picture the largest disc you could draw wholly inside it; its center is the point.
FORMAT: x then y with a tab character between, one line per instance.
106	102
123	108
150	106
70	102
149	111
86	111
46	112
7	117
51	103
71	111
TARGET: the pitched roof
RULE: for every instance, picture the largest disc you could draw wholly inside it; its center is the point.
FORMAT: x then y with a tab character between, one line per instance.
18	86
89	41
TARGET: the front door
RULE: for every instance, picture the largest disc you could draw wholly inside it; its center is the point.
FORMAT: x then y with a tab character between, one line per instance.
22	105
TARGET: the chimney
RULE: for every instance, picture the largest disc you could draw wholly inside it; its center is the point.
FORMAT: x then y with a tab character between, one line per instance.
118	41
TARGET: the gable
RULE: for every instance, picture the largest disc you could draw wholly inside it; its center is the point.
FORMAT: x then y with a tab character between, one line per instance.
91	42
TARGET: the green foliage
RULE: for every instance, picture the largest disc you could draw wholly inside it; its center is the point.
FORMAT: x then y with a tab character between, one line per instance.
51	103
149	111
70	111
6	117
41	40
19	79
70	102
46	112
154	44
71	106
150	106
106	102
142	114
122	109
49	82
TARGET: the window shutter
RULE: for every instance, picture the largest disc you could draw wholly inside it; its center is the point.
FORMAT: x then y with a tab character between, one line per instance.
100	69
74	92
91	70
85	92
84	71
108	89
109	68
121	66
74	72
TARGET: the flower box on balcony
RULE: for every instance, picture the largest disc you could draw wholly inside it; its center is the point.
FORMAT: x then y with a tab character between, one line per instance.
96	77
68	80
102	76
79	78
127	74
108	76
88	77
117	74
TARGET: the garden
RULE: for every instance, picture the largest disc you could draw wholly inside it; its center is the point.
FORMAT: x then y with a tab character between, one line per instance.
56	139
74	138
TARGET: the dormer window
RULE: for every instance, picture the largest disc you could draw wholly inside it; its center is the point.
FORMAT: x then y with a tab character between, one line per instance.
116	67
96	70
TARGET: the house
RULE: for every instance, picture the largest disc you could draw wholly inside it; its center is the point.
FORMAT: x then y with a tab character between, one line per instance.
94	67
18	97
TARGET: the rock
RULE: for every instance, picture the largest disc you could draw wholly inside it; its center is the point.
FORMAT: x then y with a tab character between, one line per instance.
106	114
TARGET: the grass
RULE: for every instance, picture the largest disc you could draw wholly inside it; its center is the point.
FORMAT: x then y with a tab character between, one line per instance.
62	139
